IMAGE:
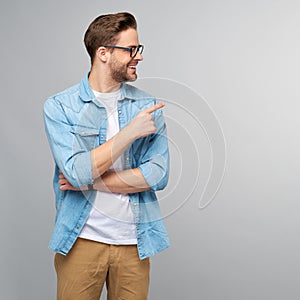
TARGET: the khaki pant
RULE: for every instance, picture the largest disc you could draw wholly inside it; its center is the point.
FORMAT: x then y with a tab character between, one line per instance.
82	273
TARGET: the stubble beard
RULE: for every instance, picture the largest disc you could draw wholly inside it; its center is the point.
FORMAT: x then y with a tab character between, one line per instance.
119	72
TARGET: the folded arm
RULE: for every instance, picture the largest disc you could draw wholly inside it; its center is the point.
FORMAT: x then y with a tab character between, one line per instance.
81	167
151	172
123	182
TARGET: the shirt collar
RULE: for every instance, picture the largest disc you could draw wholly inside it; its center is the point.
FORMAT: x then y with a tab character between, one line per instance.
86	94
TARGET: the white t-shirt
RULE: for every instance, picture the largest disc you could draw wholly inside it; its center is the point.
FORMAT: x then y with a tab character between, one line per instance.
111	219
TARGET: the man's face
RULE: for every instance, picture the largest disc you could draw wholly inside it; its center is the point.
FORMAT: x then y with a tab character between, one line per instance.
122	66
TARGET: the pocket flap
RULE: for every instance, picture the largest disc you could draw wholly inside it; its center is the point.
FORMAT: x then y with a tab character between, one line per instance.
85	132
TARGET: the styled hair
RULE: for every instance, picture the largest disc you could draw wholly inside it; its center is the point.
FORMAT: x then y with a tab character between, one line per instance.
104	30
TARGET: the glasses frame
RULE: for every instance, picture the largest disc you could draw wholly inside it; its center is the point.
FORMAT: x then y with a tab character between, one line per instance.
133	50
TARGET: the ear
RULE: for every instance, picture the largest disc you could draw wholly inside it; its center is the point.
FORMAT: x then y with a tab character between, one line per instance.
102	54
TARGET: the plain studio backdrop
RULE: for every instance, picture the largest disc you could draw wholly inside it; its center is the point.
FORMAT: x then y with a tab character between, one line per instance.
229	74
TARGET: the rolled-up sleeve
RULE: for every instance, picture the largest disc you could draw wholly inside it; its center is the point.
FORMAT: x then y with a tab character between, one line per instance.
74	162
155	161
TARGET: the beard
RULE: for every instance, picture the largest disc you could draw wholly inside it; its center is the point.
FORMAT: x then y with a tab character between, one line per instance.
119	72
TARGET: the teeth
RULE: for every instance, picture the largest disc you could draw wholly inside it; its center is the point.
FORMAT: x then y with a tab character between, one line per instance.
132	67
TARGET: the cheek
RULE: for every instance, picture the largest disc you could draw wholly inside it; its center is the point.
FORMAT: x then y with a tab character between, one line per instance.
120	61
126	60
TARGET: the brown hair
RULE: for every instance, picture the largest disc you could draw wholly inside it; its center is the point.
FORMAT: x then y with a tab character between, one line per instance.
104	30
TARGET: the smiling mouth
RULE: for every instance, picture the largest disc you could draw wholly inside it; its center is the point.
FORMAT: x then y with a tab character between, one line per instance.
132	67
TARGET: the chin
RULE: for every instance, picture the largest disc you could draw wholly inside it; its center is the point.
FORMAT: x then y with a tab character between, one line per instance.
132	78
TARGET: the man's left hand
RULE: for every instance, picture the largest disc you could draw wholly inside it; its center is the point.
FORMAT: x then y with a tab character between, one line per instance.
65	185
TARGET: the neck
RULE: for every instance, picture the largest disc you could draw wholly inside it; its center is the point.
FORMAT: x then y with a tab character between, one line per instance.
100	82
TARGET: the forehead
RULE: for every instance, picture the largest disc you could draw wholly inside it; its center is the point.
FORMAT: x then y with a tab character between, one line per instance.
128	37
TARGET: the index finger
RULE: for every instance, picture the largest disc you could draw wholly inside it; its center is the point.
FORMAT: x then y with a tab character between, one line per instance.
153	108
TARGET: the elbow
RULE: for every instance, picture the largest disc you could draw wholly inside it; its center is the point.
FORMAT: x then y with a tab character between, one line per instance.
161	184
78	171
161	174
73	180
156	175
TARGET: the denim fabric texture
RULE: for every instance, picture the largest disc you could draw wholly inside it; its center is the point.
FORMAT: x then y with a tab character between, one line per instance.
75	123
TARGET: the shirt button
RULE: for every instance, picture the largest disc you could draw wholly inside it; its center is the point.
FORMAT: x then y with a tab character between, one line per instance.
127	158
120	111
102	137
77	227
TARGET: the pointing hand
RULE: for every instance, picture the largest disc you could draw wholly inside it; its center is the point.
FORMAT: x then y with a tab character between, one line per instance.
143	124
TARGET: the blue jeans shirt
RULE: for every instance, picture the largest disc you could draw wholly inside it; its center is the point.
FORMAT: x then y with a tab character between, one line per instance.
76	123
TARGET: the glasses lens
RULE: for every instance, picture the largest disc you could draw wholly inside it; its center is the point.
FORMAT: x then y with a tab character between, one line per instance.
141	48
135	50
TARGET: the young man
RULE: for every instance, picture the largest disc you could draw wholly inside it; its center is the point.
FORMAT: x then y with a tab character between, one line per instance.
109	143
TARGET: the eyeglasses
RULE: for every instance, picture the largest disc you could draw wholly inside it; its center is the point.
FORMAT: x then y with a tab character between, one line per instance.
133	50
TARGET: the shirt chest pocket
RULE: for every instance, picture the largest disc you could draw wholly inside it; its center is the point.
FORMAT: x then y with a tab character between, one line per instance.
85	139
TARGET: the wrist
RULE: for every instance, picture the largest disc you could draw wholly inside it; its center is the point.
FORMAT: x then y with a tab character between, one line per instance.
128	133
102	183
90	187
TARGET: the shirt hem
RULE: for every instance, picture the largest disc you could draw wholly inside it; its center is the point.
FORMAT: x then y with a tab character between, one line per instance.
108	241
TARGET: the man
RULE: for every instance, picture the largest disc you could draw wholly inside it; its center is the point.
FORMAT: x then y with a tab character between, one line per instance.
109	143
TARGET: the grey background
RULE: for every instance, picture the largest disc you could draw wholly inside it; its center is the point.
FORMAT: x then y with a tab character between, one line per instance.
243	58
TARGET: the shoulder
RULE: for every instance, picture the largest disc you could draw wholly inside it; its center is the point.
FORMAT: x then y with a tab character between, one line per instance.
68	98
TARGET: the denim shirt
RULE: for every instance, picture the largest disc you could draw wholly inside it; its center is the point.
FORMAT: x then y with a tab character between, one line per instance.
75	123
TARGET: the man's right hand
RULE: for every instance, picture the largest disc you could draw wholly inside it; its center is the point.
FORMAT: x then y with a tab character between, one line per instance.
143	124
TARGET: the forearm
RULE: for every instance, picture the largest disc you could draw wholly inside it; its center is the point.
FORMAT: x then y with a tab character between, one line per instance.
105	155
123	182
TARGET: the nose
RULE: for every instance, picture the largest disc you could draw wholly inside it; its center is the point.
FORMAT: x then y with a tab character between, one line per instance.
139	56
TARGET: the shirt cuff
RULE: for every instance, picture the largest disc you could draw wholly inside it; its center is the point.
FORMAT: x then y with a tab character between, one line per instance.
154	173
